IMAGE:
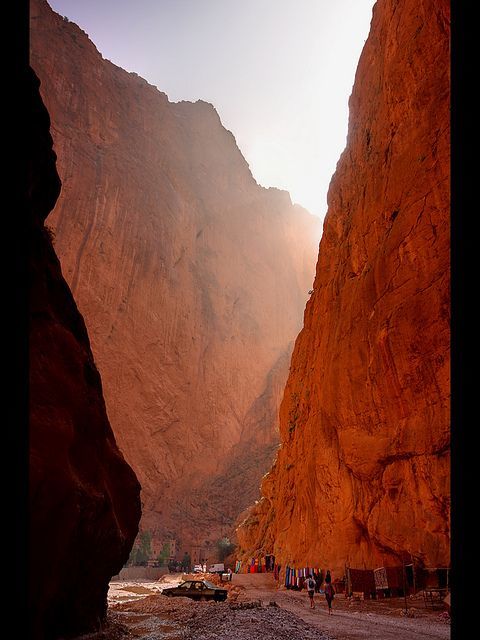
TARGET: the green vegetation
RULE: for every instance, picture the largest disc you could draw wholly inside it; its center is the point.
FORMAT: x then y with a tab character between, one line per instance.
164	555
224	548
186	562
142	550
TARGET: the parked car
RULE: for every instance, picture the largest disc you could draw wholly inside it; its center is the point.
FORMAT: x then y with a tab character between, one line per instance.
197	590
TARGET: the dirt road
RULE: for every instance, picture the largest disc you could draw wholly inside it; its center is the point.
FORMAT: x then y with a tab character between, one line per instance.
257	610
370	619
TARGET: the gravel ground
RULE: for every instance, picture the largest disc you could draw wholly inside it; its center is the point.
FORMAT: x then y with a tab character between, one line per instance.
156	617
256	609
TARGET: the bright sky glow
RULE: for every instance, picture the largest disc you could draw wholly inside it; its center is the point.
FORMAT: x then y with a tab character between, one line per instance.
279	72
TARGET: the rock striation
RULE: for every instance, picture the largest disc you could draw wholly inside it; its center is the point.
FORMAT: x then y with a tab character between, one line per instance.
362	476
84	498
191	277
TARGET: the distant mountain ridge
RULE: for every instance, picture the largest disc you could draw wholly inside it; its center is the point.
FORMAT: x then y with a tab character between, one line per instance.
191	277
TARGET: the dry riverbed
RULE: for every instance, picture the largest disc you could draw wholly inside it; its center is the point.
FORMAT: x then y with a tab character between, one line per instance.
256	609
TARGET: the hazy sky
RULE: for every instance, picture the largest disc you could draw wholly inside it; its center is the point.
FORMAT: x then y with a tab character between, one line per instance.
279	72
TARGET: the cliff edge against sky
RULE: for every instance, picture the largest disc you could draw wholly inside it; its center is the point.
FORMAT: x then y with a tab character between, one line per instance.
191	277
363	473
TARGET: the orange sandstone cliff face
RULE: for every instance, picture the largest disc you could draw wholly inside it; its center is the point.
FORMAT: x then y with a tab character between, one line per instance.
362	475
191	277
84	498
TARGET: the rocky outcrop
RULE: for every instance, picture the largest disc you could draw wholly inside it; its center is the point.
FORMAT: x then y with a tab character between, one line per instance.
362	475
84	498
192	279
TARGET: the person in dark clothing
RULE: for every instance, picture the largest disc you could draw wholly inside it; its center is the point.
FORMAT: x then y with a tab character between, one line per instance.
329	591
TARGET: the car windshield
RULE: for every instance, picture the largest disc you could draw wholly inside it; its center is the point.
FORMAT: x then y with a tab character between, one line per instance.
185	585
210	585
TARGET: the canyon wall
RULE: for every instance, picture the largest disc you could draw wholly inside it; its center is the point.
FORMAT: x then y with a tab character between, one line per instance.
191	277
84	498
362	476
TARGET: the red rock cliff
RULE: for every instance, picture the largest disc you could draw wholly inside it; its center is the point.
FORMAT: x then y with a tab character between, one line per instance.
192	279
84	498
362	474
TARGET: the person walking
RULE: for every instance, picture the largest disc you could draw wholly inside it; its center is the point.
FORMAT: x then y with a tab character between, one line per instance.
310	584
329	591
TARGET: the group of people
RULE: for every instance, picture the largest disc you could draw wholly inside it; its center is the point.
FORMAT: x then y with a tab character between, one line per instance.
329	590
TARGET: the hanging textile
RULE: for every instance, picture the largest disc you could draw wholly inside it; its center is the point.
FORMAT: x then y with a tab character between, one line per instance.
269	562
295	578
395	578
362	580
380	576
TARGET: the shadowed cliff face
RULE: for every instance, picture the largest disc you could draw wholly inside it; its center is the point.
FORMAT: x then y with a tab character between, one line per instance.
191	277
362	474
84	498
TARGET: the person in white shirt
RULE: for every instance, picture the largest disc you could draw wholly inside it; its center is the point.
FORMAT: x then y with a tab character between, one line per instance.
310	584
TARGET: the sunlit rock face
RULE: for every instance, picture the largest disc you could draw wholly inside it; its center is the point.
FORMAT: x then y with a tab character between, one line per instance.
84	497
191	277
362	475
